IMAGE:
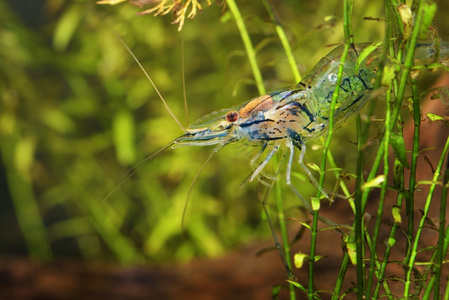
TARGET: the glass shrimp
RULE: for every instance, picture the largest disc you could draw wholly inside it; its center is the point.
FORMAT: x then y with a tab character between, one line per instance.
289	118
292	116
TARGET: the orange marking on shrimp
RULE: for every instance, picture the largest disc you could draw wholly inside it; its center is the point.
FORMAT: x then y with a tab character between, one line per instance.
261	103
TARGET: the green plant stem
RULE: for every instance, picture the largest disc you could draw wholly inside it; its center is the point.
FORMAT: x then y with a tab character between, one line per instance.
445	247
314	232
414	249
440	253
248	45
399	185
331	115
337	174
400	95
397	24
383	192
384	264
341	274
408	63
288	52
409	208
284	235
347	15
446	294
284	41
429	273
358	222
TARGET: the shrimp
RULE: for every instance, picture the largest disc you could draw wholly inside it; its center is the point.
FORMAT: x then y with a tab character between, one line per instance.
288	118
292	116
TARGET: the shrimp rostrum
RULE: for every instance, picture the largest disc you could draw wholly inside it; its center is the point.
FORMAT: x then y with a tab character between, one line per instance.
292	116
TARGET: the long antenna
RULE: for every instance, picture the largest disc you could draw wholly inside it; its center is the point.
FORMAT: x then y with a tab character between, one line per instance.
192	184
134	169
164	103
186	109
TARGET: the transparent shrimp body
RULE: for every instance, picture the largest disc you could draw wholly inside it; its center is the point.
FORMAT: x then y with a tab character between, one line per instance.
289	116
294	115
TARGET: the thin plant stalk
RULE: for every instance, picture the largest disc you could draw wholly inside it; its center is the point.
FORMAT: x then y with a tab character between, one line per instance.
358	222
284	41
408	63
314	232
414	249
400	95
342	184
431	267
391	239
382	193
248	45
341	275
383	153
414	161
446	294
444	250
284	235
399	185
440	252
347	17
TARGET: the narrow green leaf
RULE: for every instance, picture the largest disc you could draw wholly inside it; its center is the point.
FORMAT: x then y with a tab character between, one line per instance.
298	285
304	224
124	132
58	121
24	155
318	257
434	117
365	53
66	27
314	166
375	182
397	142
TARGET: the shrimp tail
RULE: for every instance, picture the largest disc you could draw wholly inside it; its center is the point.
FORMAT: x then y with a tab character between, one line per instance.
432	51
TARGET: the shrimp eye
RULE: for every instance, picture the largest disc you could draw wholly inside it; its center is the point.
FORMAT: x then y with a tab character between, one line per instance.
232	116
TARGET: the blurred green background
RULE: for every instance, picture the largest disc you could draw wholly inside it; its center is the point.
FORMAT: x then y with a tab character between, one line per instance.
76	113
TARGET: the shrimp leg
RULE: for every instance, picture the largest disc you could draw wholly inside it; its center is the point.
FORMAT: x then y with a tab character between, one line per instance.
296	140
264	163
